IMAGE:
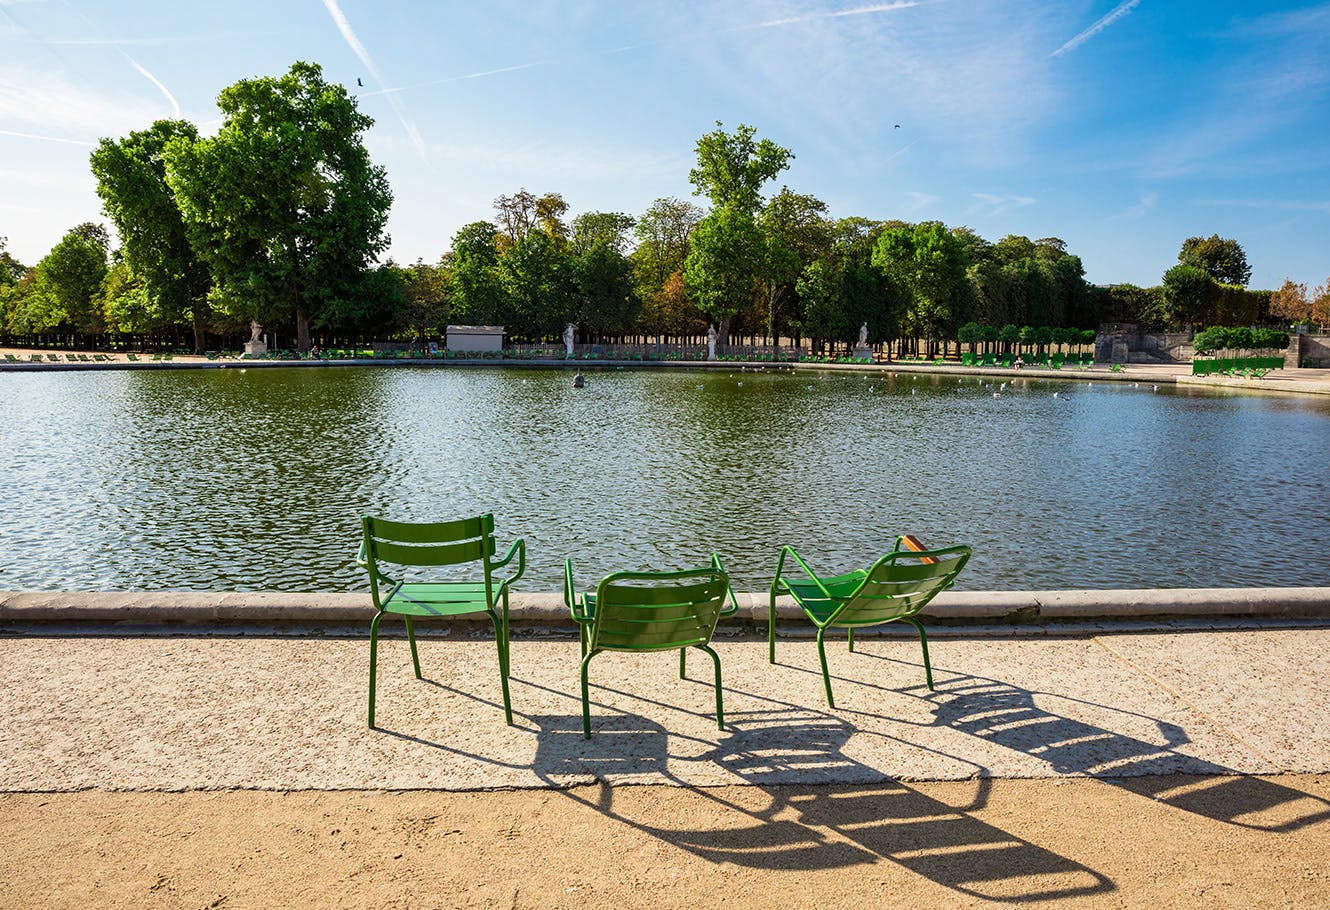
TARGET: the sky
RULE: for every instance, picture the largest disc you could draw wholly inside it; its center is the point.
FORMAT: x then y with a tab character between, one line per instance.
1121	127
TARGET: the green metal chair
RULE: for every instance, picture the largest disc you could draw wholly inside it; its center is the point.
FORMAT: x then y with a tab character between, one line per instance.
896	587
650	611
434	545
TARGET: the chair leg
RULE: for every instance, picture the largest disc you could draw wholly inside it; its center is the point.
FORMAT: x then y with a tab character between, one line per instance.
720	706
851	641
923	641
373	661
586	698
411	637
771	628
683	663
501	640
822	656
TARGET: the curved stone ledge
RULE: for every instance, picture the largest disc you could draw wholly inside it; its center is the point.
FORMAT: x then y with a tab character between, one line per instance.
537	609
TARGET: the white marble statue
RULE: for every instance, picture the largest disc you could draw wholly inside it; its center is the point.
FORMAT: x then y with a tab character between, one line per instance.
863	335
711	342
254	330
569	335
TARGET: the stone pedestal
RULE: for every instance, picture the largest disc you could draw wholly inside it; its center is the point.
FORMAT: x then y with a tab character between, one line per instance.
255	349
863	352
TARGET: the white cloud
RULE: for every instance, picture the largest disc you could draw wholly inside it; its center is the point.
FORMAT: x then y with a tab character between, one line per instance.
46	103
1147	204
998	203
1118	12
919	200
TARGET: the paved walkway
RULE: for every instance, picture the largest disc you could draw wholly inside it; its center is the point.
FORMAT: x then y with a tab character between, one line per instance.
262	712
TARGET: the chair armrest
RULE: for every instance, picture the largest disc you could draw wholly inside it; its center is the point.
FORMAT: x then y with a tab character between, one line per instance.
729	588
362	556
569	593
518	549
780	566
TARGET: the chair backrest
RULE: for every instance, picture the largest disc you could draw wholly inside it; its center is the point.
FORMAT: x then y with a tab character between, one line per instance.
447	543
900	584
657	611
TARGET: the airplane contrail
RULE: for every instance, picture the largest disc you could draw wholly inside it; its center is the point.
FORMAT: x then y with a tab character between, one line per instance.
47	138
344	26
1118	12
175	105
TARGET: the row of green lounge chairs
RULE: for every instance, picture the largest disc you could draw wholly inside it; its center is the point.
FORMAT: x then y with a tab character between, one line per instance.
1045	361
1252	367
635	611
56	358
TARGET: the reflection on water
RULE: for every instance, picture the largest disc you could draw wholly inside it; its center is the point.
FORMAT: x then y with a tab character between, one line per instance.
255	479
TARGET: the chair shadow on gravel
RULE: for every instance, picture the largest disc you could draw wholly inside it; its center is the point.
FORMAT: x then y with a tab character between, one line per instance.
1008	715
772	824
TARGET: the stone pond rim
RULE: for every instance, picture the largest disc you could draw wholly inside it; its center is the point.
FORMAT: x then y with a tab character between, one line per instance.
204	608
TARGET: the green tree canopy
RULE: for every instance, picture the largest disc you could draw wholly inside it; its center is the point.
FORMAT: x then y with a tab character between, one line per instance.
928	263
726	254
284	203
1185	296
731	168
66	284
610	229
1223	259
131	181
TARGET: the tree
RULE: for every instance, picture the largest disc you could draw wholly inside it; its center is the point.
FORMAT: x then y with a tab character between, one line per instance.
1221	258
607	228
662	241
608	302
425	309
540	284
1290	302
1186	295
928	263
523	212
11	270
795	233
67	281
477	288
732	168
284	203
1320	313
726	253
131	181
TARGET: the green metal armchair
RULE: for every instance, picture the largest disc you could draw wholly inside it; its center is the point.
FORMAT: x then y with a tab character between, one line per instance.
896	587
650	611
434	545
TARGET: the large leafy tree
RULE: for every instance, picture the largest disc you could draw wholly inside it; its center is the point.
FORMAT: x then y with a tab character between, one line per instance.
1290	302
928	263
662	235
609	229
284	203
1185	296
541	286
725	256
131	180
477	288
795	232
1222	258
731	168
67	282
607	300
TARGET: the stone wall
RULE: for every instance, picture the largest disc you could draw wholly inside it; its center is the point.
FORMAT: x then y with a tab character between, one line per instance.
1308	351
1124	343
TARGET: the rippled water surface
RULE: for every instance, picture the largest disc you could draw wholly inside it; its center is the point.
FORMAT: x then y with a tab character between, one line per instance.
255	479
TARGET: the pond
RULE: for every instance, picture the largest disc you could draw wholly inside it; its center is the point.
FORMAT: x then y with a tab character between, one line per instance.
254	479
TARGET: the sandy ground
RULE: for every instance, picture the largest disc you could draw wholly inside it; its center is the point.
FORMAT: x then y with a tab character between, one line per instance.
1160	842
1187	770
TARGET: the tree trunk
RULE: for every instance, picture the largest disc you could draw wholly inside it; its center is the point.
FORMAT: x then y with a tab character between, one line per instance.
198	331
723	334
302	330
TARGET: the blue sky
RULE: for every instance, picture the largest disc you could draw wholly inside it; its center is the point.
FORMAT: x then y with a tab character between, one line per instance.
1121	127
